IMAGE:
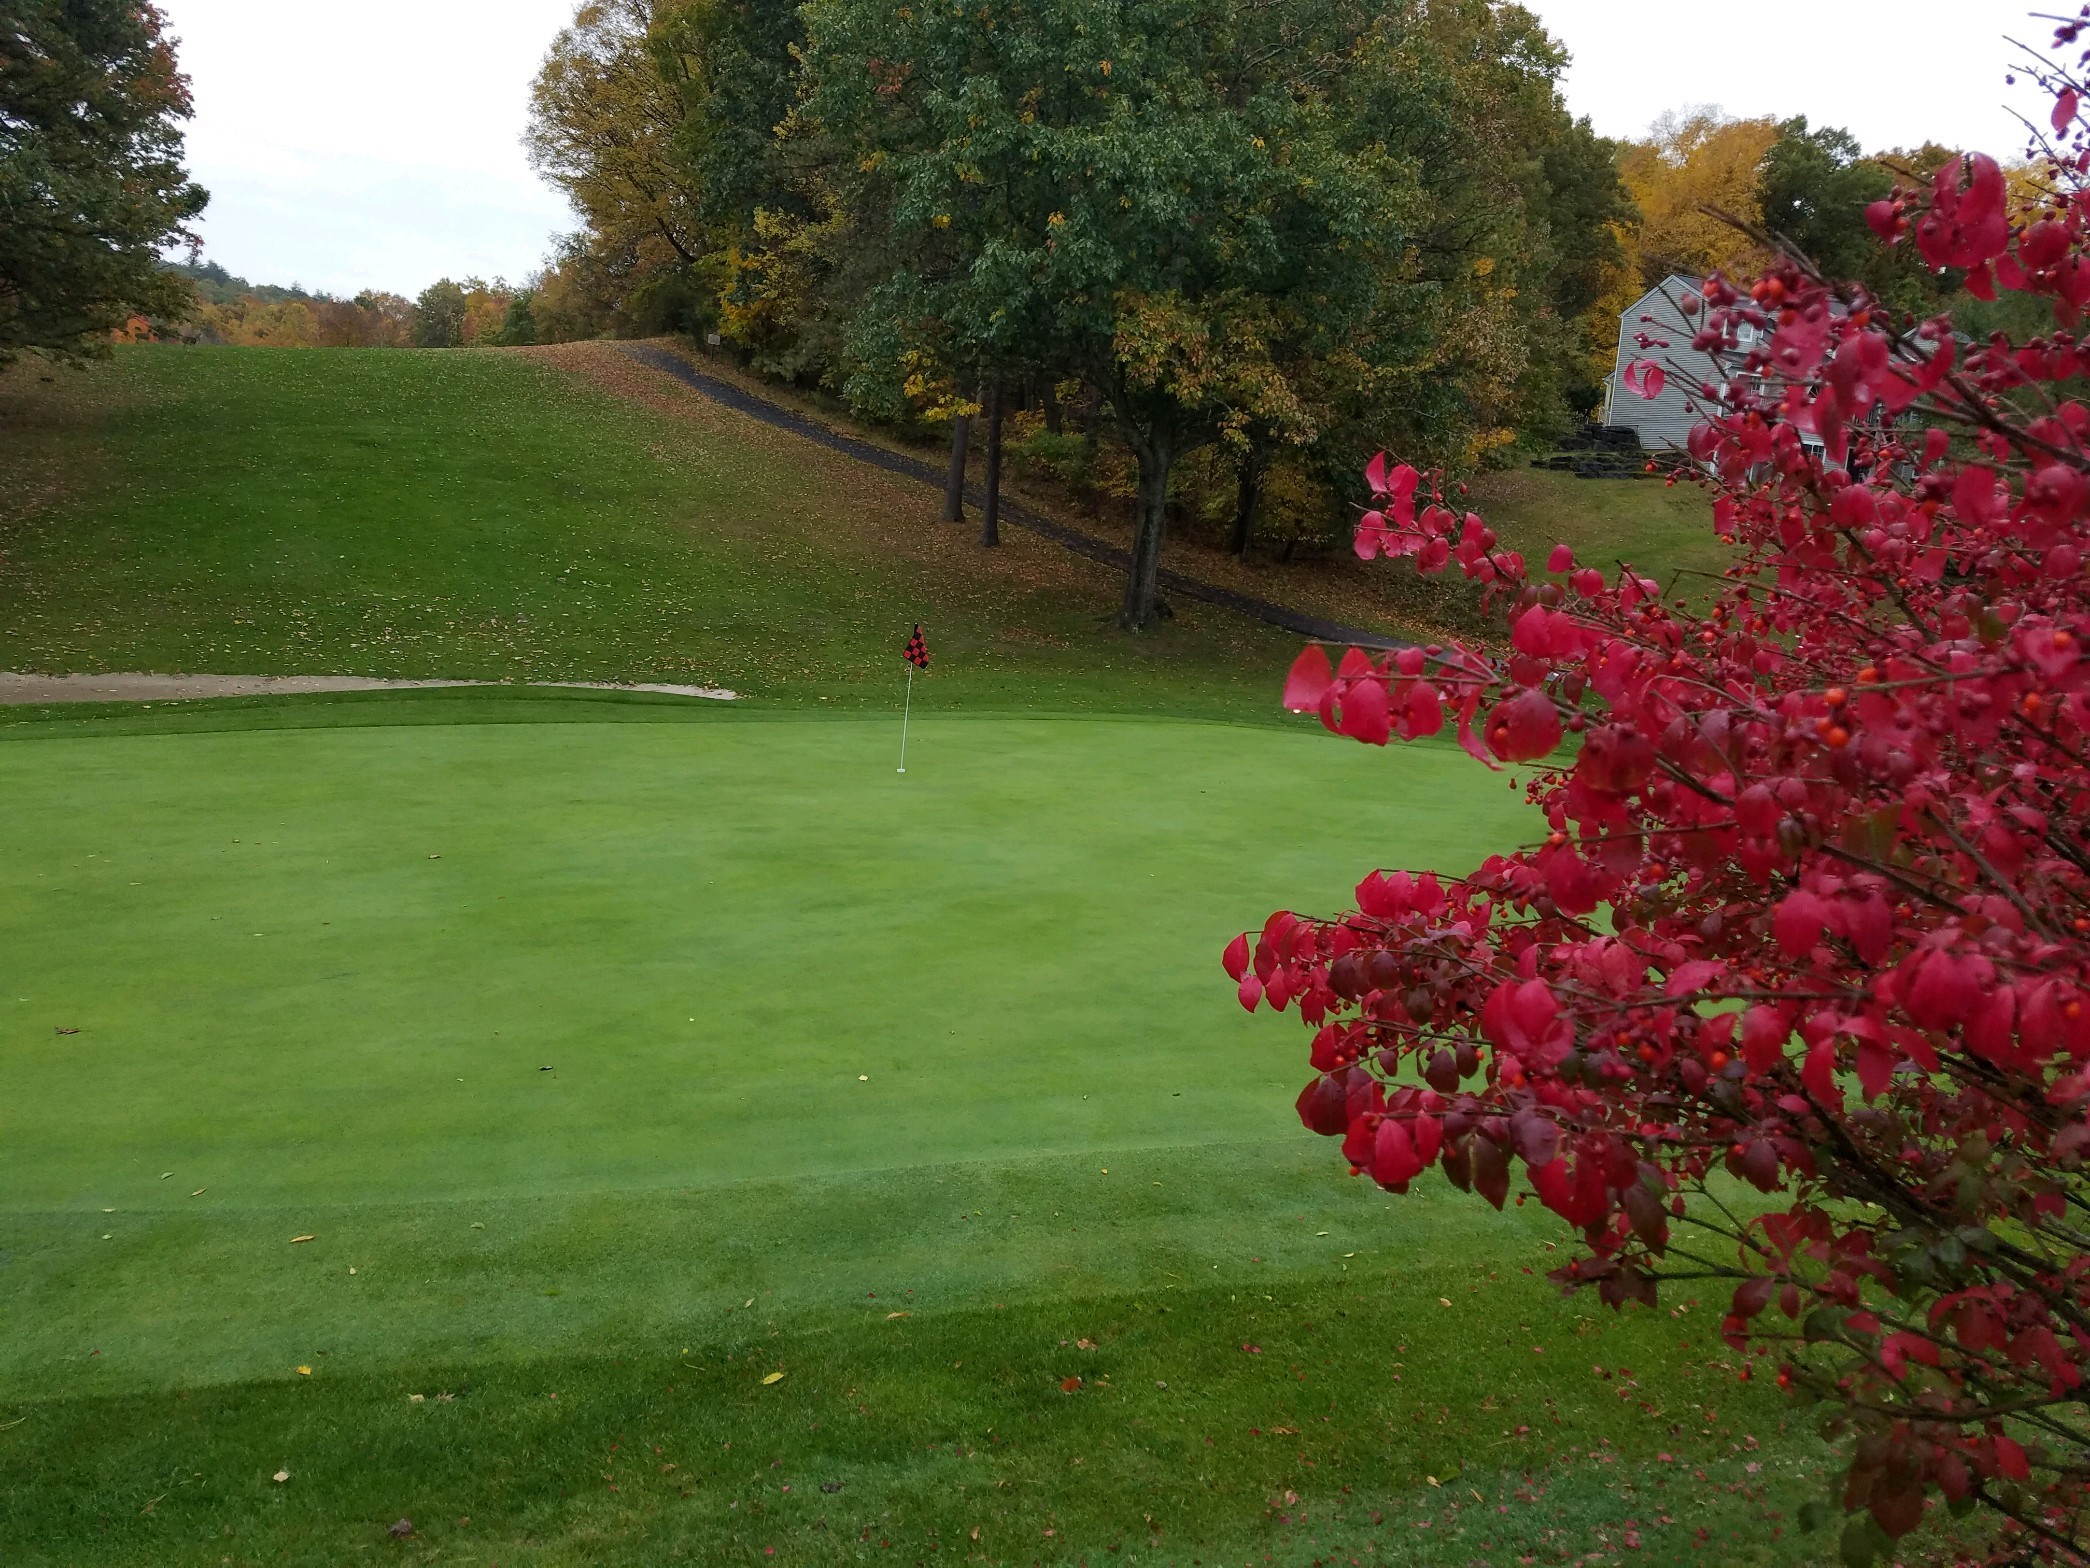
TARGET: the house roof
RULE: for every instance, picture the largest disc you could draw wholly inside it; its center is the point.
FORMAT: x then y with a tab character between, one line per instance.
1676	282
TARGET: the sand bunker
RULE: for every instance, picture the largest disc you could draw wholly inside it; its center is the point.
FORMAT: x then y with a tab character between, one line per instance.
141	687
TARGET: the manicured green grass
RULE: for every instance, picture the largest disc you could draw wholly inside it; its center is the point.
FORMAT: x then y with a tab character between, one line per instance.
709	930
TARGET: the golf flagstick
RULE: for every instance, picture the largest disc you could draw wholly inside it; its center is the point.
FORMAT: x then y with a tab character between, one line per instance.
906	709
917	659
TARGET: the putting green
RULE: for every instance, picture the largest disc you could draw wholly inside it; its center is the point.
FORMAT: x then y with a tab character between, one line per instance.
331	966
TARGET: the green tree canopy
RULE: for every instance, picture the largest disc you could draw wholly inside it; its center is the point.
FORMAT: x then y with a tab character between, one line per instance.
1814	190
91	179
439	315
1111	189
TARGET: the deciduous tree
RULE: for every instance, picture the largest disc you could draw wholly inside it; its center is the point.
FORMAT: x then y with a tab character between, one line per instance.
439	315
607	116
91	179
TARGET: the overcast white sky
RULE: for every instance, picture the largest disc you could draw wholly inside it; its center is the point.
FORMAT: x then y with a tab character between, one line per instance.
377	144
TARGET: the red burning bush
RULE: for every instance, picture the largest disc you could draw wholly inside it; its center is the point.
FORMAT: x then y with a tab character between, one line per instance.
1813	915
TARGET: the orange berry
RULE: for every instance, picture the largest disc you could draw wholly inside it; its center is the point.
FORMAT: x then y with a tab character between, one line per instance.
1837	696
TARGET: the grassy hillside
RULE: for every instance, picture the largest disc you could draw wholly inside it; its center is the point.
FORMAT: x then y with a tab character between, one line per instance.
488	516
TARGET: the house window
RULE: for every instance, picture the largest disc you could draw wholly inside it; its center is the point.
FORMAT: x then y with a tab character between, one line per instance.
1745	335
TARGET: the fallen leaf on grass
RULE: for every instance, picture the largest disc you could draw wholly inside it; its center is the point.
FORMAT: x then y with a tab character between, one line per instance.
68	1031
401	1530
304	1371
774	1377
1442	1302
891	1315
1070	1385
418	1398
280	1476
199	1192
1084	1344
296	1239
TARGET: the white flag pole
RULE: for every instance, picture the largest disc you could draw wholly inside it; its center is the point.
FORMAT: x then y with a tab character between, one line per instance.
904	712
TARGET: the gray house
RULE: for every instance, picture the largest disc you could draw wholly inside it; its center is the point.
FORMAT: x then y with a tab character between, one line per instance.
1662	422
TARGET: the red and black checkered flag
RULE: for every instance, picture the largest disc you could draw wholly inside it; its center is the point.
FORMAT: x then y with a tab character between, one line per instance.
918	650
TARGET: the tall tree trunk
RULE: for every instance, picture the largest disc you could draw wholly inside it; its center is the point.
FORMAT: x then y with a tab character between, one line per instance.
954	482
1049	401
1143	580
1248	495
990	514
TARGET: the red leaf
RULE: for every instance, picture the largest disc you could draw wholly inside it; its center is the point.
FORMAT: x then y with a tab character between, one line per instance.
1554	1189
1365	712
1875	1068
1752	1296
2064	109
1323	1107
1819	1074
1974	496
1799	922
2010	1460
1645	377
1250	992
1524	728
1490	1170
1308	680
1394	1157
1537	1138
1764	1033
1235	959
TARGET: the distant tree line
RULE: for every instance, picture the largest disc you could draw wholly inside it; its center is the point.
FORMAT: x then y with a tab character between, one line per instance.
446	314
